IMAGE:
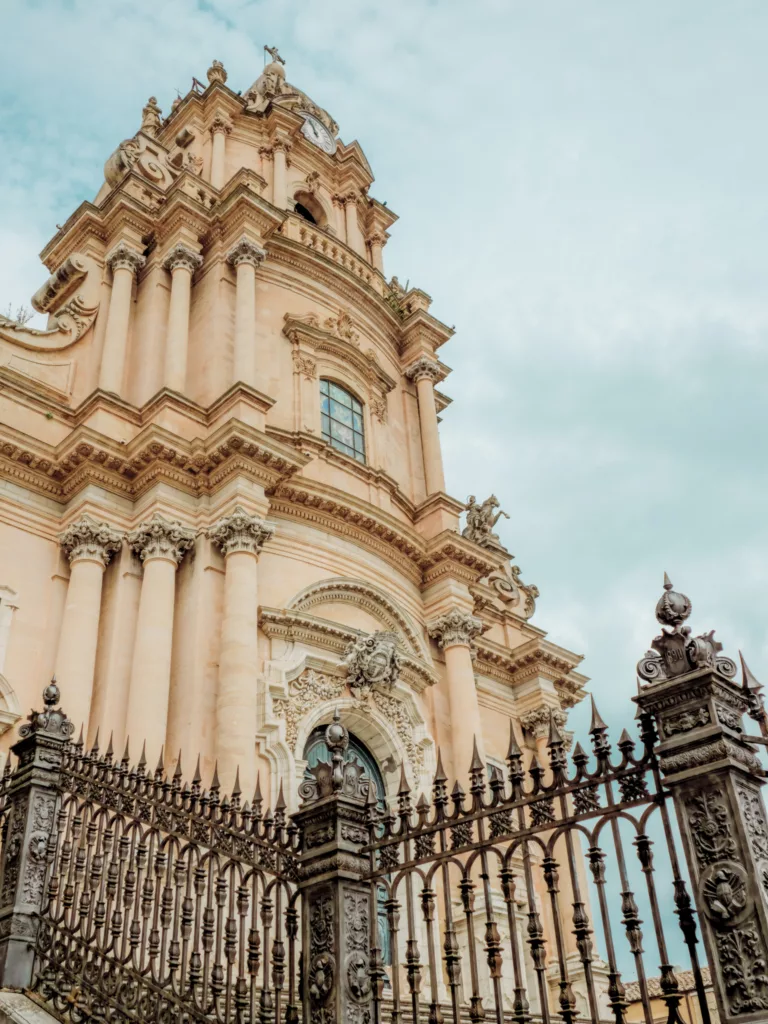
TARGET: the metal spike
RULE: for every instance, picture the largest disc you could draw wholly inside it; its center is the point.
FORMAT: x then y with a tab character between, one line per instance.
477	764
215	784
126	754
257	797
579	754
95	747
667	582
110	749
160	765
197	778
422	804
625	740
514	748
440	775
457	793
236	791
80	740
177	773
281	804
748	680
404	789
597	722
143	758
555	736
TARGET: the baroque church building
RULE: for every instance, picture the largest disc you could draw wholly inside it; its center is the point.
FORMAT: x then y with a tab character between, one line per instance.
223	511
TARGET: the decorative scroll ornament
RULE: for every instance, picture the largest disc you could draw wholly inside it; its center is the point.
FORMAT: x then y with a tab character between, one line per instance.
481	520
423	368
182	256
373	660
345	777
240	532
52	720
161	538
246	251
88	538
678	651
123	257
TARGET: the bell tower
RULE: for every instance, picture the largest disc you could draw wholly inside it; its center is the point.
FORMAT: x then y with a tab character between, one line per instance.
225	512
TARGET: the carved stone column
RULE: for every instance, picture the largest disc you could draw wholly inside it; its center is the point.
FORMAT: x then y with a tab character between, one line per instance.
161	545
124	262
376	243
245	257
89	545
219	128
454	633
716	780
241	537
32	797
338	908
351	223
182	262
281	149
424	372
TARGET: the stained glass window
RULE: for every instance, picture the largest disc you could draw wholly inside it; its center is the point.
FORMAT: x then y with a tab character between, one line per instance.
341	420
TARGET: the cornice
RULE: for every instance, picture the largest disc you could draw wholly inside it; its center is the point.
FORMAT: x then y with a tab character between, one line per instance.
308	331
536	657
300	627
422	332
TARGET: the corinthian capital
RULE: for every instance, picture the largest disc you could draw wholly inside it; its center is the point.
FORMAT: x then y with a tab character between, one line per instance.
537	722
88	538
246	251
123	257
220	123
454	628
182	256
159	537
423	368
240	531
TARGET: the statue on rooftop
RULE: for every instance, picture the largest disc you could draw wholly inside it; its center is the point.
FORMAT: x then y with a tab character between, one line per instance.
481	520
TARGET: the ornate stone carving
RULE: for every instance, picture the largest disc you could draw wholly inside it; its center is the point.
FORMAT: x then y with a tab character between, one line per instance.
88	538
537	722
240	531
423	368
481	520
193	163
220	123
372	660
161	538
717	751
182	256
342	327
322	967
304	365
754	820
724	891
744	966
455	627
151	117
216	73
123	257
686	721
246	251
357	963
677	651
708	820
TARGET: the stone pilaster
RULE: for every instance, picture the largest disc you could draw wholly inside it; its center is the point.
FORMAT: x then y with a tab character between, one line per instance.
240	536
425	372
220	127
246	257
454	632
181	262
32	799
124	263
161	544
88	545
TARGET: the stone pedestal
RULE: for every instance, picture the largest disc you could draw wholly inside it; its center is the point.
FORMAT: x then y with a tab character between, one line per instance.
338	908
32	798
716	779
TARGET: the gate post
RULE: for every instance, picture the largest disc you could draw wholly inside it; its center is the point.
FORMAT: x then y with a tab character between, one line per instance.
340	963
715	779
33	794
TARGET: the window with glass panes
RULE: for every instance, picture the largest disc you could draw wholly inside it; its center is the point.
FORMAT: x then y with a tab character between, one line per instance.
341	420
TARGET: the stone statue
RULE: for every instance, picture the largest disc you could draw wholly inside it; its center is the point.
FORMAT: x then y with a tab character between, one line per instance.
481	520
272	51
372	659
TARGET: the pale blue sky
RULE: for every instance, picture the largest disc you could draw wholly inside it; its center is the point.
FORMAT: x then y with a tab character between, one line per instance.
582	190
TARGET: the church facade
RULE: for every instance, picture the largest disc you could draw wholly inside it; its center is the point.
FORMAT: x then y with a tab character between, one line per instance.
223	511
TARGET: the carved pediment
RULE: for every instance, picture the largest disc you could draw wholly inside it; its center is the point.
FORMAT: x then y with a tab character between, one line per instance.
338	336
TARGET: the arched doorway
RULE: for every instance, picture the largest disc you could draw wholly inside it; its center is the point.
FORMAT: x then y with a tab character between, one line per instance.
315	750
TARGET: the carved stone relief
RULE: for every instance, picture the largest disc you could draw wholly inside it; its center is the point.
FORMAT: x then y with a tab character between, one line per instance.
744	967
322	962
372	660
686	721
356	965
708	819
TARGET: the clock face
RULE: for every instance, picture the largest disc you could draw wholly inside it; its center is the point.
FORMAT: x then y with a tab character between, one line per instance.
315	132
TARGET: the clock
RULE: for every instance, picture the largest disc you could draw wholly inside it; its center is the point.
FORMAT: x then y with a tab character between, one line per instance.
315	132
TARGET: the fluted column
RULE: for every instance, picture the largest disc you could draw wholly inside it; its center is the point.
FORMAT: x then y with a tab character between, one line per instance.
245	257
89	545
161	544
454	633
281	148
124	262
424	372
182	262
240	537
219	128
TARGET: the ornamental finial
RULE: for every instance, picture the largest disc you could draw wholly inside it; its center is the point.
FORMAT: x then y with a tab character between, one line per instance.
672	608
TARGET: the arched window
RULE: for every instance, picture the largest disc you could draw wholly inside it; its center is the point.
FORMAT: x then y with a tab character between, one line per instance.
310	208
341	420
